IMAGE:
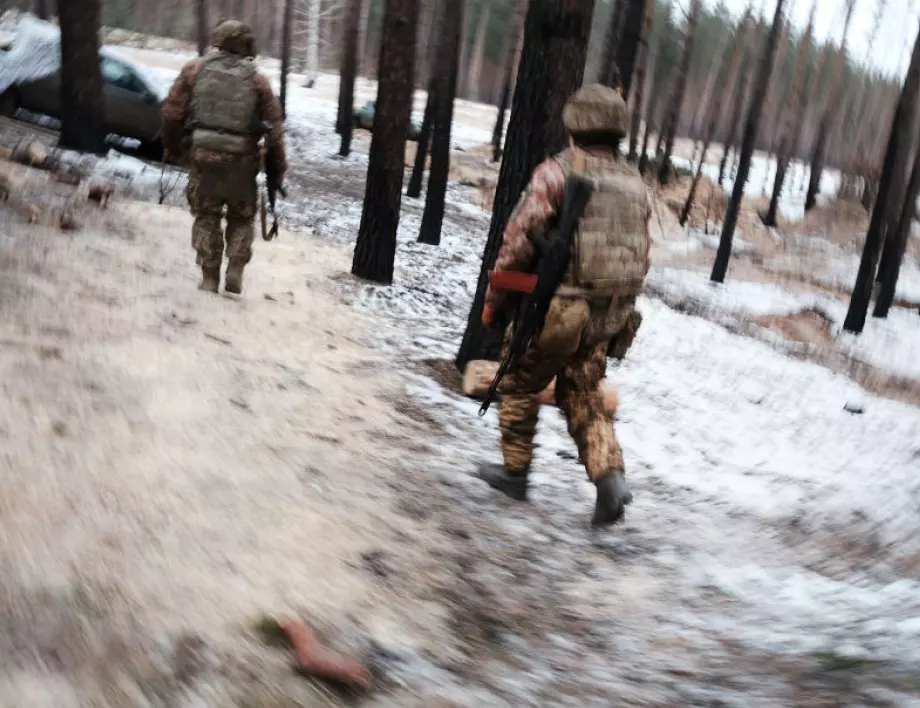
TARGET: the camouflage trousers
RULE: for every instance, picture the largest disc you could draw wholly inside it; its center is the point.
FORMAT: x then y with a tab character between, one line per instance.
211	190
578	380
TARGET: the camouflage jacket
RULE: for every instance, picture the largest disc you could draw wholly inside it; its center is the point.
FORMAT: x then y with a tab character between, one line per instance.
535	213
176	113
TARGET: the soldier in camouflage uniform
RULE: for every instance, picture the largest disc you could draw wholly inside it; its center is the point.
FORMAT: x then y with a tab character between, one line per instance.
593	313
216	113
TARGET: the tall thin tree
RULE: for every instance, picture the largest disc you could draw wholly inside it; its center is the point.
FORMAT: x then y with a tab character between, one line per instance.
720	267
636	22
202	27
41	9
552	67
512	59
375	249
640	97
475	89
414	190
347	76
672	121
609	73
446	71
286	30
82	124
891	185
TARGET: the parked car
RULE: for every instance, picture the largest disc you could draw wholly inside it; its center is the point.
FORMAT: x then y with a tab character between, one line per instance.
364	118
132	104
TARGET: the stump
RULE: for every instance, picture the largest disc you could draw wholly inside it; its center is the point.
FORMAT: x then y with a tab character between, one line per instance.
479	374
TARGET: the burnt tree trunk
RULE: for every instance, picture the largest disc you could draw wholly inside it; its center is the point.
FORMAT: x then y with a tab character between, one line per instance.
729	71
552	67
720	267
345	119
636	25
513	55
82	123
446	71
202	28
286	30
414	190
890	271
640	98
672	121
376	246
794	116
891	187
742	91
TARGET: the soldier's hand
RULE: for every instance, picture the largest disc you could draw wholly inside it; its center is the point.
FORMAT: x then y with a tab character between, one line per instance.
489	318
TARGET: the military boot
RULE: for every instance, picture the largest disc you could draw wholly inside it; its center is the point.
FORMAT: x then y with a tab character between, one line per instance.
498	477
234	280
613	496
210	279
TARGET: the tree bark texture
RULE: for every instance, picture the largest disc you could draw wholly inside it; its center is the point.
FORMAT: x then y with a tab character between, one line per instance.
202	26
427	37
609	74
376	246
421	153
636	24
720	267
82	124
446	71
640	98
551	70
286	51
672	121
728	72
475	89
363	25
513	58
891	189
742	96
347	74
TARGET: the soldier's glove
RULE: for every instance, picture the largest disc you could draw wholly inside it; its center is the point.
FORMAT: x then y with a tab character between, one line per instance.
490	319
621	343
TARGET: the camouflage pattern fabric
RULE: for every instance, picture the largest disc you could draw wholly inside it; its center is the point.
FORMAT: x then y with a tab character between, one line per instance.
235	37
211	189
596	109
578	380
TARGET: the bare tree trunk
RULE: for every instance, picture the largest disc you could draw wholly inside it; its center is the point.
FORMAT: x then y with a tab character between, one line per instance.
474	75
742	98
375	249
513	54
720	267
728	72
421	152
203	28
890	190
793	118
552	68
636	24
609	74
311	68
286	29
82	123
41	9
427	40
446	71
363	24
347	77
642	83
672	121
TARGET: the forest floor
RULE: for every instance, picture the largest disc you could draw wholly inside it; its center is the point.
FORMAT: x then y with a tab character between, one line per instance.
178	466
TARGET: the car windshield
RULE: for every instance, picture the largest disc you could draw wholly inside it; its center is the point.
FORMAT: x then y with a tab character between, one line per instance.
122	76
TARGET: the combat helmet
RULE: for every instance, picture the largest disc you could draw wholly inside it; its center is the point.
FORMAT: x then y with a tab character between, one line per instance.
234	37
596	109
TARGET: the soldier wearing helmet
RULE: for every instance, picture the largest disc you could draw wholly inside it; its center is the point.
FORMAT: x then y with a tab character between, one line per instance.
217	111
593	313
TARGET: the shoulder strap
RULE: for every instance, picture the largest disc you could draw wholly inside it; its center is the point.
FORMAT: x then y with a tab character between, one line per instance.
579	161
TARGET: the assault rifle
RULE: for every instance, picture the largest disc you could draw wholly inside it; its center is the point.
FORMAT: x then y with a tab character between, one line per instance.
540	287
272	185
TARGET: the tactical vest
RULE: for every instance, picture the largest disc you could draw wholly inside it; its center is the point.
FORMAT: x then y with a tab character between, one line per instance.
225	105
611	246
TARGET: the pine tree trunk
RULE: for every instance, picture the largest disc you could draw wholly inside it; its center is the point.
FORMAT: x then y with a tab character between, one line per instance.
793	119
82	123
202	26
311	68
375	249
474	76
644	73
898	238
609	74
720	267
552	68
286	31
421	153
728	72
672	122
513	55
446	71
891	188
364	25
636	25
426	40
345	120
742	95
